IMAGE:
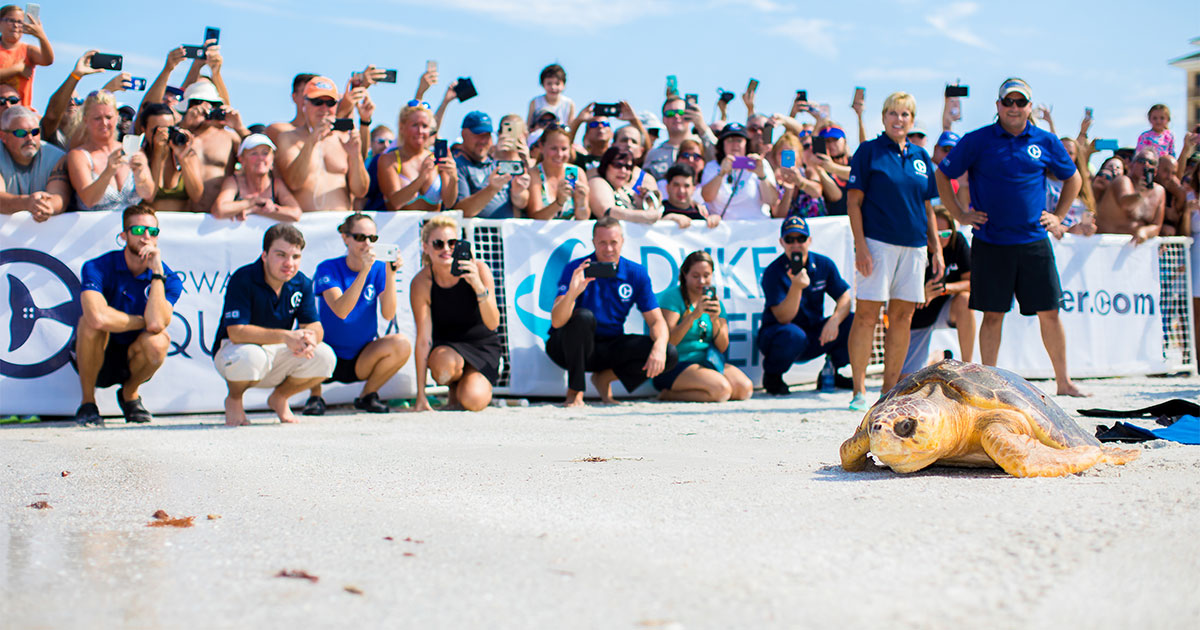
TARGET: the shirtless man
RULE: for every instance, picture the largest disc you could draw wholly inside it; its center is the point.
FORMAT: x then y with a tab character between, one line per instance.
1134	204
216	144
322	167
298	84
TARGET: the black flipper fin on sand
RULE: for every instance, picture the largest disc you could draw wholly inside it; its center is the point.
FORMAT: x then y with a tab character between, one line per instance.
1174	407
1124	432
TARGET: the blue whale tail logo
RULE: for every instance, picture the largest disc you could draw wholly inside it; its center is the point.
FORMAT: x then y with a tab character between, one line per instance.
25	313
548	290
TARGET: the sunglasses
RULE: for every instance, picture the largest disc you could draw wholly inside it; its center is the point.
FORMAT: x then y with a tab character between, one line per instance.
322	102
138	230
624	165
592	124
76	101
363	238
439	243
793	240
11	100
416	103
1014	102
672	113
688	155
945	233
21	133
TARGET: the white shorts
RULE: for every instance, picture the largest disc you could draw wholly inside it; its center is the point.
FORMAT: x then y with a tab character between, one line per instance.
269	365
897	273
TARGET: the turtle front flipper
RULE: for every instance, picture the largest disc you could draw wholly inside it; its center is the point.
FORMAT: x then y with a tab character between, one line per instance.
1022	455
1119	456
854	451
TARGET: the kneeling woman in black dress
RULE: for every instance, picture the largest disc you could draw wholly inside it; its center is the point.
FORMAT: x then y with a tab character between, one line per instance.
456	320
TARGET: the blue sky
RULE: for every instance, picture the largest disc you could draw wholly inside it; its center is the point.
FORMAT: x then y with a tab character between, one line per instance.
1107	56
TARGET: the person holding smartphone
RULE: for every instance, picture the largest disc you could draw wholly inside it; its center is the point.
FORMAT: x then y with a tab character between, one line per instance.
700	334
587	334
17	60
738	185
454	306
410	176
122	180
560	188
322	166
616	194
354	291
794	327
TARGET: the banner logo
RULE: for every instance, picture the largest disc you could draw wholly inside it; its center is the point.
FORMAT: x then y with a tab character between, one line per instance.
531	315
24	313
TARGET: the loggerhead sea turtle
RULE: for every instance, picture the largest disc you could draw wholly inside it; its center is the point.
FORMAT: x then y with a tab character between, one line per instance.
966	414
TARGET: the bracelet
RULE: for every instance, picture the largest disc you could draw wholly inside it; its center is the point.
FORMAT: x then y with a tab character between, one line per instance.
75	76
761	177
479	297
365	123
158	276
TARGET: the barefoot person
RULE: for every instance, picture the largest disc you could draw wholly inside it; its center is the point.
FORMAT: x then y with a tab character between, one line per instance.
127	297
1010	253
456	317
588	321
258	343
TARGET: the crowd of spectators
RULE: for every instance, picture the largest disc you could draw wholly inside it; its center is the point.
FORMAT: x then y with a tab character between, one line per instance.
906	193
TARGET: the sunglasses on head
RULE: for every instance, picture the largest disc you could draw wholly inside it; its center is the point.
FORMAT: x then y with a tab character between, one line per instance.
439	243
11	100
21	133
362	238
416	103
322	102
688	155
1011	102
138	230
672	113
592	124
793	239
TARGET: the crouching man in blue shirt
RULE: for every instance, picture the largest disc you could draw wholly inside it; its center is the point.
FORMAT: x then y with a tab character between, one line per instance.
258	343
128	296
588	320
794	329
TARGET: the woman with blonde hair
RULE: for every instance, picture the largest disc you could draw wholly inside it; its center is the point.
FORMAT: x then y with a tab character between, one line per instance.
124	180
563	186
454	305
409	176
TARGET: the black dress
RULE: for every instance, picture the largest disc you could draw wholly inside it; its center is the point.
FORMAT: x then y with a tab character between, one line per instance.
458	324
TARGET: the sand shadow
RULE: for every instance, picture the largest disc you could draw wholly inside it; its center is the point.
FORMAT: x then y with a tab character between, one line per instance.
873	472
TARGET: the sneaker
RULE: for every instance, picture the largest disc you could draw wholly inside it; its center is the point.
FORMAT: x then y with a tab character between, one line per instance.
371	404
133	409
774	385
859	403
88	413
314	406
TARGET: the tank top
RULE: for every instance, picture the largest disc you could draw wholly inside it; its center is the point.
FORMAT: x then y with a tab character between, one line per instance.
562	110
455	313
113	198
270	178
568	209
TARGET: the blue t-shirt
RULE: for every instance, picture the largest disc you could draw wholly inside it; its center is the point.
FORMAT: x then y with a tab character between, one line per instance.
108	275
473	177
895	186
1007	176
250	300
824	279
610	299
348	336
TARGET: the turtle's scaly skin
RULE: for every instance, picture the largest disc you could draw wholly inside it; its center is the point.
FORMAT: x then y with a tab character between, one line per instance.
966	414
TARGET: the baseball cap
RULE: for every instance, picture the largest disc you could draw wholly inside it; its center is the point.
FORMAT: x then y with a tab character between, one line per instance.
917	131
947	139
832	132
794	225
202	91
543	111
734	129
478	122
321	86
1015	85
650	121
255	140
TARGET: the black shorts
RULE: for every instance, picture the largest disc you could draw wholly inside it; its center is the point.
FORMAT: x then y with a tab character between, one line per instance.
344	372
998	272
115	369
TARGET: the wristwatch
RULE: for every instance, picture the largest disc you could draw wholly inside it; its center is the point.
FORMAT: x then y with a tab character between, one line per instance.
158	276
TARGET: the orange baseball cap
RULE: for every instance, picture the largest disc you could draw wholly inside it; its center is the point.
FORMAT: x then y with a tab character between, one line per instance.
321	86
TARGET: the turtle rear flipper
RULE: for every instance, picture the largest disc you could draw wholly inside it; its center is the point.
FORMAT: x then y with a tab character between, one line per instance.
1024	456
854	451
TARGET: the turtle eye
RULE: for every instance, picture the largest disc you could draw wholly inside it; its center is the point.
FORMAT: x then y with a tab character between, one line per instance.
905	428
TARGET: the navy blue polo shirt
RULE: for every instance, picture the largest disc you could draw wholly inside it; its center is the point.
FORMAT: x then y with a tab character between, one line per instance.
610	299
1007	175
895	185
824	279
348	336
108	275
250	300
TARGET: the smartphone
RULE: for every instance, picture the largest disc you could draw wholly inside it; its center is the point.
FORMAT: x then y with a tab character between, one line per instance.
860	94
1107	145
510	167
1088	112
825	110
597	269
131	144
213	34
441	149
611	110
726	97
767	132
752	86
137	83
387	252
33	10
672	85
818	145
464	89
571	174
193	52
105	61
389	76
710	292
343	124
462	251
745	163
692	99
430	65
796	262
787	158
956	90
802	95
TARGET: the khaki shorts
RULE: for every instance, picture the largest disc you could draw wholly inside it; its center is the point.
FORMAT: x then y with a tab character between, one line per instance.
897	273
268	366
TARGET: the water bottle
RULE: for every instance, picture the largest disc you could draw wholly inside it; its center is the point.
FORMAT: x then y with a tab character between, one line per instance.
825	380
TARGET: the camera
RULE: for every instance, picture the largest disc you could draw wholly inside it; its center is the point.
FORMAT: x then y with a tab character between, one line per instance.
176	137
216	113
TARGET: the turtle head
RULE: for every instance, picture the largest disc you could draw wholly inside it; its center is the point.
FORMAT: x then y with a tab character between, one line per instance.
906	432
